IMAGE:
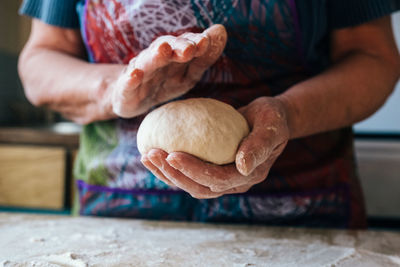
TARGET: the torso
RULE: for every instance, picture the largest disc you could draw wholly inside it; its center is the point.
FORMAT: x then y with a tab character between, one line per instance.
313	182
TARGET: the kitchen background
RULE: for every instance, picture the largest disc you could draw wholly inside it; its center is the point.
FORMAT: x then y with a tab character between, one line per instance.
35	141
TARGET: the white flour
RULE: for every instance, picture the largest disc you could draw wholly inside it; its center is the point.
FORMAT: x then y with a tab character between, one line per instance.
27	240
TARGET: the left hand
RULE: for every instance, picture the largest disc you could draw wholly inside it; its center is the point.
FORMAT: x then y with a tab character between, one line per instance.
257	152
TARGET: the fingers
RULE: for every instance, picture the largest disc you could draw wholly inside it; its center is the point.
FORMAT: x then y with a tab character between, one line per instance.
217	178
207	47
168	49
217	36
176	49
127	83
268	137
158	159
177	82
125	89
169	67
147	163
238	190
200	39
261	145
187	46
157	56
184	50
253	151
220	179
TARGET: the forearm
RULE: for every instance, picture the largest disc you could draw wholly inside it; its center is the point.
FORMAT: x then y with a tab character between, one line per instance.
351	90
54	75
67	84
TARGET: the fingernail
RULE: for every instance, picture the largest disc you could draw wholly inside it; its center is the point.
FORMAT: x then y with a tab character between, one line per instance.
244	170
173	162
241	161
144	158
242	166
136	73
165	49
155	159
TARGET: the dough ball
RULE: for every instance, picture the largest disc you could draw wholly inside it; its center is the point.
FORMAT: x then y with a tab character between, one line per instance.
206	128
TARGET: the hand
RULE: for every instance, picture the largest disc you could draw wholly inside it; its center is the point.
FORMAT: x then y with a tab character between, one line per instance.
256	154
168	68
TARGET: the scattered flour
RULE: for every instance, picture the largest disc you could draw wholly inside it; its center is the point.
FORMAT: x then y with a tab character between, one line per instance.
47	241
67	259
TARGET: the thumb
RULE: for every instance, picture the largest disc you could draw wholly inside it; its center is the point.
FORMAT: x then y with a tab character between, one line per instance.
254	150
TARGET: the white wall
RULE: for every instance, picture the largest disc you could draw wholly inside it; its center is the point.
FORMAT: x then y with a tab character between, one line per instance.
379	160
387	119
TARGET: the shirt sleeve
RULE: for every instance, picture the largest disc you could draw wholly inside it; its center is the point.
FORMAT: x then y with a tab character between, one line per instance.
60	13
347	13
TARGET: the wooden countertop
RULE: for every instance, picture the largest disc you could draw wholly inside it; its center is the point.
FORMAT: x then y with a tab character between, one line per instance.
37	240
38	136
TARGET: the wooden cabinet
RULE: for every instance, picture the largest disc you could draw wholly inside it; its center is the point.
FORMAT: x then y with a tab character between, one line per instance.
32	176
36	168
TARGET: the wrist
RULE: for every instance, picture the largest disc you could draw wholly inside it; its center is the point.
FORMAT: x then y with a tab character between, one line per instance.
103	95
289	114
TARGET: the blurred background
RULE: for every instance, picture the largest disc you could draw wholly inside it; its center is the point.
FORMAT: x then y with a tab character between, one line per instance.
14	108
38	147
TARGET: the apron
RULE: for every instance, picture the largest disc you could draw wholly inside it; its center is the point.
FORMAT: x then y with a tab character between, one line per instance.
313	183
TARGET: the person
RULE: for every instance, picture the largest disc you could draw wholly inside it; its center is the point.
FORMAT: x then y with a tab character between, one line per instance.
301	73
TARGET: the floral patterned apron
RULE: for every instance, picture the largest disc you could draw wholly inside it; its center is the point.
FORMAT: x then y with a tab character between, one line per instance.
313	182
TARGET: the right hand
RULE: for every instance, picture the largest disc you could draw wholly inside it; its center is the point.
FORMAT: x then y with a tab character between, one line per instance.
168	68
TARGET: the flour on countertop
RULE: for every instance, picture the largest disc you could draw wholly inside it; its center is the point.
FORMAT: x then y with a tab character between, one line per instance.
46	241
